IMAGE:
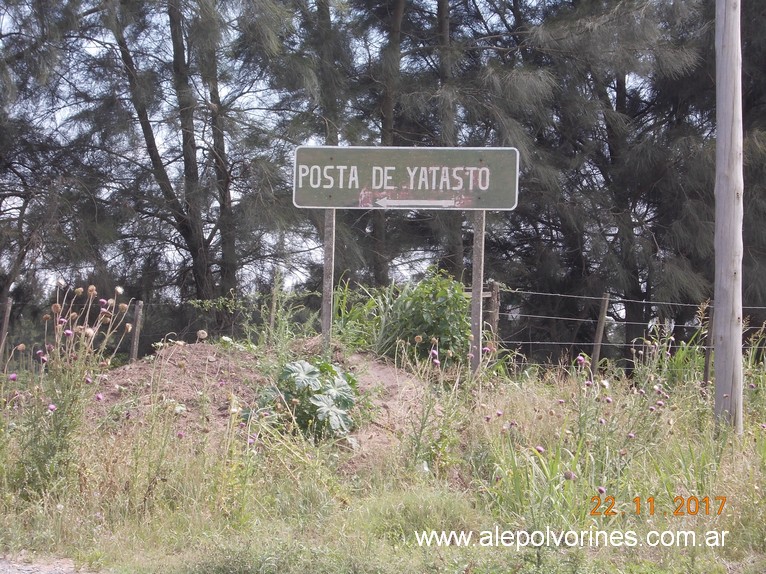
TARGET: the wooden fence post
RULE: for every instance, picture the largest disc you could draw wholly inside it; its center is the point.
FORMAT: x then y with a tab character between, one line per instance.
599	334
4	330
709	342
138	317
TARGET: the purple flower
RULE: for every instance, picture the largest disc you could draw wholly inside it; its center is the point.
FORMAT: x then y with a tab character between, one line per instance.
752	385
580	360
470	356
487	418
631	435
660	403
499	413
437	362
486	350
539	449
569	475
103	302
99	397
434	353
62	321
69	332
588	383
51	407
88	381
43	359
180	434
602	421
13	377
608	400
601	490
652	409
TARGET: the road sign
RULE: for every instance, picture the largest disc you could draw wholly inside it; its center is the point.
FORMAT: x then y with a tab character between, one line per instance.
406	178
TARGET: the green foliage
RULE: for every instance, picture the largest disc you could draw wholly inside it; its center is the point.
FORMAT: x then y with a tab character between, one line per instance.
314	398
430	316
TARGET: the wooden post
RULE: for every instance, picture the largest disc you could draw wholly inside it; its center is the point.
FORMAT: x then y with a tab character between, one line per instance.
4	330
596	356
138	318
709	341
328	278
494	303
477	284
729	212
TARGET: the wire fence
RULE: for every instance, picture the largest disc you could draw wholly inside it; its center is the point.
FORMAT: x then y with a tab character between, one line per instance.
524	321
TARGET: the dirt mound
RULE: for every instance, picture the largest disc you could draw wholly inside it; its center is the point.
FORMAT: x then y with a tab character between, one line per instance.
200	382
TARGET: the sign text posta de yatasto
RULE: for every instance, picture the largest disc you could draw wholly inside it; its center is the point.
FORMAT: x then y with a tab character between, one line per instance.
406	178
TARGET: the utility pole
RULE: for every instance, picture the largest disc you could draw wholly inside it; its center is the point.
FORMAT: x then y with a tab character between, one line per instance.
729	188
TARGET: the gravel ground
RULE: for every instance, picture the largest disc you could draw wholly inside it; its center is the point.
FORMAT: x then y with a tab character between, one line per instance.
40	567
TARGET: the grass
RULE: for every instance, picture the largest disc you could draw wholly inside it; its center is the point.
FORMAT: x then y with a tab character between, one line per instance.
513	448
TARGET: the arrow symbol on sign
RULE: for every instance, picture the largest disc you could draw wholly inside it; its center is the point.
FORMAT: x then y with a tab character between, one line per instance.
415	203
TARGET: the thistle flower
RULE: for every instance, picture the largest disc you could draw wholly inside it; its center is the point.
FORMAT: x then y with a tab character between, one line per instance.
56	308
601	490
608	400
52	408
21	347
418	339
539	449
437	362
78	291
62	321
13	377
434	353
99	397
123	307
69	332
569	475
631	435
102	302
580	360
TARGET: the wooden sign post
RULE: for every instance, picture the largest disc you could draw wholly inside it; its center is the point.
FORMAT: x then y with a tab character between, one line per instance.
463	179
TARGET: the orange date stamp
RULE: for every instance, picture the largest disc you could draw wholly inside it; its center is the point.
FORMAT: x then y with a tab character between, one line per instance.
682	506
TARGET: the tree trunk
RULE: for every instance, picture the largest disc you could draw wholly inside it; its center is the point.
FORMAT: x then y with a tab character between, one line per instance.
392	56
452	222
186	216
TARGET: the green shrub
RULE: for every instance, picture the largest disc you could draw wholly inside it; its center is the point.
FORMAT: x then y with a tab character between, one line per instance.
432	315
314	398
